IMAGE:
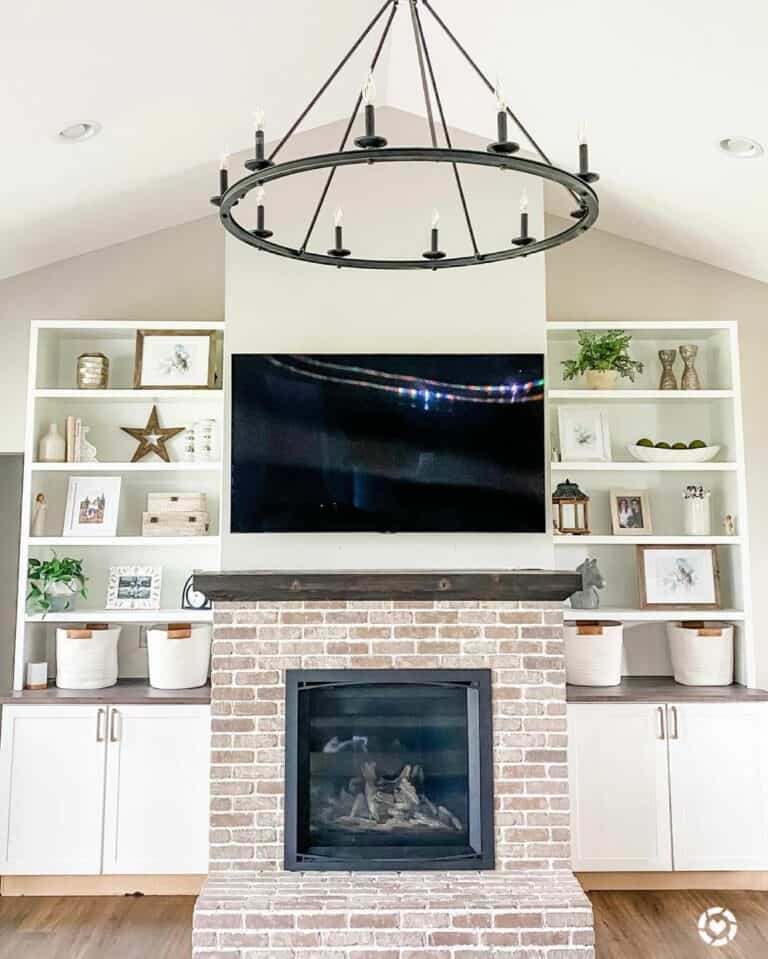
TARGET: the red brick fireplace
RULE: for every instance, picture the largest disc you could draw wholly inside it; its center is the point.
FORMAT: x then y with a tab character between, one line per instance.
529	905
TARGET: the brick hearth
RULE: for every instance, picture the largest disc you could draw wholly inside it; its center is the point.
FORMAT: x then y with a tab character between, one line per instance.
530	907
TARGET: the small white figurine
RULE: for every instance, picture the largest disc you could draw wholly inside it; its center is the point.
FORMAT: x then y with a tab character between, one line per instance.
39	515
87	450
729	525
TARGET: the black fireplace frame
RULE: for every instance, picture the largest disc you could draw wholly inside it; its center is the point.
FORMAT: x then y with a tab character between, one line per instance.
482	855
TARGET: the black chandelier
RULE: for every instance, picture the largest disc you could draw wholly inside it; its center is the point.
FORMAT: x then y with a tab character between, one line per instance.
372	148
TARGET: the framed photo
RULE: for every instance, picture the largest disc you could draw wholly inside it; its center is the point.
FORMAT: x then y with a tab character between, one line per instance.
630	512
92	506
584	433
134	587
175	360
678	577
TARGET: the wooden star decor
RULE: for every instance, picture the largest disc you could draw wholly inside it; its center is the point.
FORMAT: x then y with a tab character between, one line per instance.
152	438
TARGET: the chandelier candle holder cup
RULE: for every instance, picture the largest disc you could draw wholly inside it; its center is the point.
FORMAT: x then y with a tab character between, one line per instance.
372	149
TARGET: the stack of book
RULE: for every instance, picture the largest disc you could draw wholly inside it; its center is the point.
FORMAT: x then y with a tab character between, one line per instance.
73	433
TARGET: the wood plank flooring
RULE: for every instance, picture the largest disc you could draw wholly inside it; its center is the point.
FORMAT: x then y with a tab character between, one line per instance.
629	925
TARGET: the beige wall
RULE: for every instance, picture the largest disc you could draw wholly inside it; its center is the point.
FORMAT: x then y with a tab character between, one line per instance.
176	274
604	277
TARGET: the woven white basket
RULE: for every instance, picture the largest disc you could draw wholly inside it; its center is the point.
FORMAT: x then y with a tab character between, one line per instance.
178	663
702	653
86	658
593	653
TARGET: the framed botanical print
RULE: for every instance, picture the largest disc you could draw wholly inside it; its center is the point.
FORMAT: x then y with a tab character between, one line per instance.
92	506
678	577
175	360
630	513
134	587
584	434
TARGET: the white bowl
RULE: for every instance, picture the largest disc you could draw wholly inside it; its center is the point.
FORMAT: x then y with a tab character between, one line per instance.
651	454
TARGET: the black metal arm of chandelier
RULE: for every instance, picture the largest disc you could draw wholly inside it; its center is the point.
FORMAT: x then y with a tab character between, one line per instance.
372	148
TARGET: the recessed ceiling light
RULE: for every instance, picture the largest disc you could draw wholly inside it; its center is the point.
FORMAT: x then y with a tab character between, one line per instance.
743	148
77	132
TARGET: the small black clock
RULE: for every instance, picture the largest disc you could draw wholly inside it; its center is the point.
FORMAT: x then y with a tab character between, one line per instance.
192	598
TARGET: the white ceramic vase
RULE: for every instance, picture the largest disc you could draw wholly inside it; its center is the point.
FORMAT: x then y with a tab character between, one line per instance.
52	447
697	519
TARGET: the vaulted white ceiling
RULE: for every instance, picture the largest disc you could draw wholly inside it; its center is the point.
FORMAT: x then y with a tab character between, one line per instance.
173	83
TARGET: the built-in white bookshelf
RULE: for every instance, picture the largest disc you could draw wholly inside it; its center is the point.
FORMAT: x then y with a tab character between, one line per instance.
52	396
640	409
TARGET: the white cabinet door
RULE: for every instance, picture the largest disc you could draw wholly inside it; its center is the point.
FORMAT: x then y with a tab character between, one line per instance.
718	756
52	761
619	786
156	809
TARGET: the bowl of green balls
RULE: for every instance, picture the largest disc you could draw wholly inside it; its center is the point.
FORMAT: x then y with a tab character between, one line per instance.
693	451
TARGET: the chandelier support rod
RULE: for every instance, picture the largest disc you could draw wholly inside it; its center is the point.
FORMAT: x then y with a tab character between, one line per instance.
446	134
350	123
485	80
423	73
292	129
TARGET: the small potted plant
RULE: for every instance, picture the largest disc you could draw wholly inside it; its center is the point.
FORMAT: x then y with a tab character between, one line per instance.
54	583
603	357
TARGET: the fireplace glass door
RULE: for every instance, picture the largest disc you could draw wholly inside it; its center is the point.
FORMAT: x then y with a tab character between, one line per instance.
388	769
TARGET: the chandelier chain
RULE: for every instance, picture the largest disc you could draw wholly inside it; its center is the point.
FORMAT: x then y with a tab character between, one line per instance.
292	129
350	124
446	134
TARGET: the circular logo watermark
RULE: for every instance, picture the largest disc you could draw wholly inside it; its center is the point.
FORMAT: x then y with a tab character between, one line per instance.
717	926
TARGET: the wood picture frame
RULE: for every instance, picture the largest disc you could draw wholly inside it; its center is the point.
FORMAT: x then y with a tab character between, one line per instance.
148	373
635	520
685	571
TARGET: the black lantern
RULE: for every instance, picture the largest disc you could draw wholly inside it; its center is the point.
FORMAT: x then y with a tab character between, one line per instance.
571	510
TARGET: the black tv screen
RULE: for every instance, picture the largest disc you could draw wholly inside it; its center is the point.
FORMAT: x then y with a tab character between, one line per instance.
412	443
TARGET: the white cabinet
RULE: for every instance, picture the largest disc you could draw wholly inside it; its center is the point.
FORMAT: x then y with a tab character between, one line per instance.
619	787
669	786
718	760
52	767
104	789
156	810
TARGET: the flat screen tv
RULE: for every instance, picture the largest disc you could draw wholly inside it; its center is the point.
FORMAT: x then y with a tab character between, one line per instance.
410	443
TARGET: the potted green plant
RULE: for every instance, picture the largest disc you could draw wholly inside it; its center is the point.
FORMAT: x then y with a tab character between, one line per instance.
603	357
54	583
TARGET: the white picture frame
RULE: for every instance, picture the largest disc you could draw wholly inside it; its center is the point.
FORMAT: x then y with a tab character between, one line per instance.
134	587
93	505
175	360
584	434
678	577
630	513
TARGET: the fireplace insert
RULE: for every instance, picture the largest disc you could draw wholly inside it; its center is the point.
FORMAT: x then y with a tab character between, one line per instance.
388	769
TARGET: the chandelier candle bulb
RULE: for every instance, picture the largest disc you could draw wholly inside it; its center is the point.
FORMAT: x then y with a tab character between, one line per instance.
223	174
523	239
259	162
260	230
338	238
369	141
584	171
434	252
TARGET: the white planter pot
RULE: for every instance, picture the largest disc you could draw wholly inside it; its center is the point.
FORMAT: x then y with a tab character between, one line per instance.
602	379
697	516
179	662
702	655
86	658
593	653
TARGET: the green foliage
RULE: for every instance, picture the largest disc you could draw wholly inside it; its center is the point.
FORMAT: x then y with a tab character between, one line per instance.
603	350
41	574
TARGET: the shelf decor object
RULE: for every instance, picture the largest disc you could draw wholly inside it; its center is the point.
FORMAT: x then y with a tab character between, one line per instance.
570	515
678	577
52	447
93	503
175	360
371	148
584	434
592	580
152	438
701	653
630	512
134	587
92	371
593	653
53	584
696	511
690	378
655	454
667	360
86	658
179	655
192	598
603	356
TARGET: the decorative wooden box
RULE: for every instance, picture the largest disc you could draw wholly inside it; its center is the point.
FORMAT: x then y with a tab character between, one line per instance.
176	502
175	523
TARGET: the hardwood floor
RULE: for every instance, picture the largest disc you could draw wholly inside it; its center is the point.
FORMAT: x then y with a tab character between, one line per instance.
629	925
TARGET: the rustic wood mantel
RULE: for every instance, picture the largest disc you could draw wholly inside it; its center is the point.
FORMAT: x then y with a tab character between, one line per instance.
515	585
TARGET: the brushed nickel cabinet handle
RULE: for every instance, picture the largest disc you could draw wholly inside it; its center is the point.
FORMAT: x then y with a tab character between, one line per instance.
113	729
674	731
662	731
100	716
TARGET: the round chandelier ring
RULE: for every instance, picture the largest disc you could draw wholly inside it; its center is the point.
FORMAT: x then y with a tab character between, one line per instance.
586	197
